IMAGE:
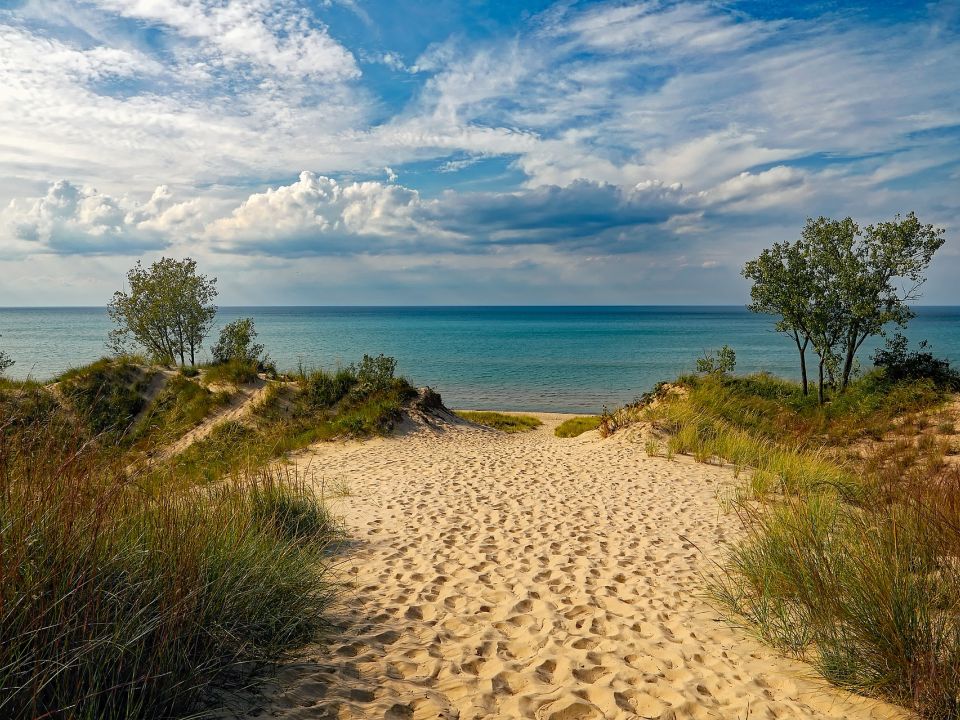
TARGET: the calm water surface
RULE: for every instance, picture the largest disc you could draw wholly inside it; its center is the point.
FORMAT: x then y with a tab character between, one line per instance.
574	359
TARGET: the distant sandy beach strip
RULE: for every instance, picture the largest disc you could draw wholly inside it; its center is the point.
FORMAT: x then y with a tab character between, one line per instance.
528	576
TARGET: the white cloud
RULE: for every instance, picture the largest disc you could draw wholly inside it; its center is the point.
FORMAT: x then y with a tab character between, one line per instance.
278	36
318	215
70	219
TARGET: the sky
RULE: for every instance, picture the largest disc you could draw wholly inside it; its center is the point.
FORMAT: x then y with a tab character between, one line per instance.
418	152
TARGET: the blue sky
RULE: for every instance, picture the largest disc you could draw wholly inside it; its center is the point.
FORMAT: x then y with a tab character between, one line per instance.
398	152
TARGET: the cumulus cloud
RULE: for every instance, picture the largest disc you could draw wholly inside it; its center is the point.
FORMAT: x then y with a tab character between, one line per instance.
70	219
318	215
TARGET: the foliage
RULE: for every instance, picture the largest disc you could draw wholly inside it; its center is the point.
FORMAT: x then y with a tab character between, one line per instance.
721	362
233	372
375	374
6	362
782	286
324	389
167	310
898	364
573	427
837	286
237	344
107	395
501	421
120	603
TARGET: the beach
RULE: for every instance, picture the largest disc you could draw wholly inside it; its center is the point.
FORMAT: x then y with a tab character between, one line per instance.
506	576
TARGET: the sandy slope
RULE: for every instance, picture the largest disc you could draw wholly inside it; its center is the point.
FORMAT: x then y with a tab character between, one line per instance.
529	576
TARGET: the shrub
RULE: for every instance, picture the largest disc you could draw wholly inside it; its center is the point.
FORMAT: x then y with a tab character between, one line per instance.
899	365
324	389
107	394
573	427
6	362
721	362
375	374
236	343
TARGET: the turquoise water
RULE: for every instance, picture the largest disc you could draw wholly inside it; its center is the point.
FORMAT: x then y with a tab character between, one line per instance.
574	359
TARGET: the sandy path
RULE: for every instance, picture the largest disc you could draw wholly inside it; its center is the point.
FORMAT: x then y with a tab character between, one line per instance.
528	576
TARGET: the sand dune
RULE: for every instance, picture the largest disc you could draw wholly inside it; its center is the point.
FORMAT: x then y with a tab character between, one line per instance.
513	576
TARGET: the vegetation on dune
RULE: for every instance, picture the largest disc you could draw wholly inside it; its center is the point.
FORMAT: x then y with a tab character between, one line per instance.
850	509
501	421
133	587
6	362
107	395
237	357
357	401
848	557
117	602
577	426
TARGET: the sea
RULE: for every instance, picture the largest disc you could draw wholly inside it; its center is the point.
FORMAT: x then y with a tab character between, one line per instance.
549	359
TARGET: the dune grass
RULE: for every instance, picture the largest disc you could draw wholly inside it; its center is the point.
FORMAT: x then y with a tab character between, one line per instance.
129	593
577	426
311	408
849	552
118	602
501	421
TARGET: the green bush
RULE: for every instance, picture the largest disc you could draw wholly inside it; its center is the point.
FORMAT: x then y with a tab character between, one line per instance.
107	394
375	374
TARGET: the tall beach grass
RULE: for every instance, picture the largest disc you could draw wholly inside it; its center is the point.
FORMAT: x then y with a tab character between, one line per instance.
119	600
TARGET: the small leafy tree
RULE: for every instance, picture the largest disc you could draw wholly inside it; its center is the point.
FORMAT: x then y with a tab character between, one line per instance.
721	362
236	343
6	362
783	286
375	373
167	310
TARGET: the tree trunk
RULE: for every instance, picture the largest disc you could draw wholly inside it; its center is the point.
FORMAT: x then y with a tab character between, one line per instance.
802	349
852	336
820	385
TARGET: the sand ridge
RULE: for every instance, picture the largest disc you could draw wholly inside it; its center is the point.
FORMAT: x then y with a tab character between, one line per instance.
528	576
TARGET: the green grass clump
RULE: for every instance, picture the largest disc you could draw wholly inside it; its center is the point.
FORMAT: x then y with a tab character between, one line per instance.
121	603
234	372
501	421
577	426
108	394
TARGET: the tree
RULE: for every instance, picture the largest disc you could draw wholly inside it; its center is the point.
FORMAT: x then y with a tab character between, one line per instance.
236	343
782	285
884	271
719	363
167	310
6	362
837	286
